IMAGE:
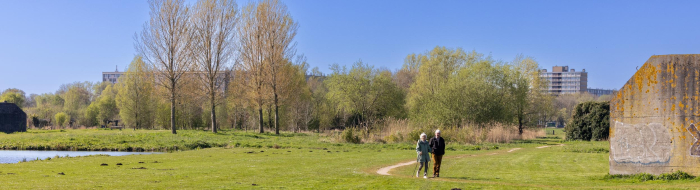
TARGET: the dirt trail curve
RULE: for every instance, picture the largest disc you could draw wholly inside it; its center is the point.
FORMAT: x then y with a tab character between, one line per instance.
385	170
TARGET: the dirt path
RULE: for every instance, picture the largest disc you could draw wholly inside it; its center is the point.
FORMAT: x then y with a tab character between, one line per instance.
385	170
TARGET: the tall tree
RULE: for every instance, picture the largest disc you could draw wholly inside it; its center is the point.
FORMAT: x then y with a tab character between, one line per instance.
214	23
252	56
279	30
526	99
266	44
134	95
165	44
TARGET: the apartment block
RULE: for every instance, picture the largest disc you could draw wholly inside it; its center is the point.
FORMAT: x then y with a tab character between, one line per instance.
563	80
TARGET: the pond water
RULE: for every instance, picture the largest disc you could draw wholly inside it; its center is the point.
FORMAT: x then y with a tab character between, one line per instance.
14	156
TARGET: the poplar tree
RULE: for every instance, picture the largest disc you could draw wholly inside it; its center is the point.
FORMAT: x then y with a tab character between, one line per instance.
214	23
165	44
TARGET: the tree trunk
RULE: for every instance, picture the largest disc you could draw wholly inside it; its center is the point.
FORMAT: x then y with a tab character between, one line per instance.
260	114
172	110
277	116
213	113
520	125
269	115
137	121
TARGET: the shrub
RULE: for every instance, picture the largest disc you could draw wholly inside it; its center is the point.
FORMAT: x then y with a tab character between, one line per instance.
349	136
62	119
394	138
36	122
678	175
590	121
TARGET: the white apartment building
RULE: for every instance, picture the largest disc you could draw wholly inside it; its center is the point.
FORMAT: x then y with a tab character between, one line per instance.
563	80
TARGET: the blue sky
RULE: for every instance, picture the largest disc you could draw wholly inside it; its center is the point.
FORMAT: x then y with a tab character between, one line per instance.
44	44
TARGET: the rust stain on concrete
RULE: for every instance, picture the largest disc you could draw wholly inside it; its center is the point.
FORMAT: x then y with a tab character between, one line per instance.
653	118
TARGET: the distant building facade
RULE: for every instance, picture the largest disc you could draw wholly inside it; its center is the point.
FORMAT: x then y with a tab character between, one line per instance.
111	76
600	91
222	78
562	80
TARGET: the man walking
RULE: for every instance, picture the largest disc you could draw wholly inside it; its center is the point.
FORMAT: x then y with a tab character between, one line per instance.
437	143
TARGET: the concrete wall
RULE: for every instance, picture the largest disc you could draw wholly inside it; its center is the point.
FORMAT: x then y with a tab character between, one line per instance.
12	118
653	118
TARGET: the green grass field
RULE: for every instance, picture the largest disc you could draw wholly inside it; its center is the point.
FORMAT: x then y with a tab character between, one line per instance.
303	161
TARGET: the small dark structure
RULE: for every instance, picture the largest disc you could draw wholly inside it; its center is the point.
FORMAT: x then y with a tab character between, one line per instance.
12	118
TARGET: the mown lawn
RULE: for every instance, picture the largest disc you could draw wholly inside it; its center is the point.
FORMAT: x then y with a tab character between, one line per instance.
309	161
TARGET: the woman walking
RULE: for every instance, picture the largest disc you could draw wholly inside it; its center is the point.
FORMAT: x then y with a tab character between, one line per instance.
423	149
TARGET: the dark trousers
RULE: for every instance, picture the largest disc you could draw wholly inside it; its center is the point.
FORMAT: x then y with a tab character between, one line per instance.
437	160
423	165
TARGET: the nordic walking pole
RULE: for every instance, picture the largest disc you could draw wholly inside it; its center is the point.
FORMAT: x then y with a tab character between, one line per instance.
430	157
416	167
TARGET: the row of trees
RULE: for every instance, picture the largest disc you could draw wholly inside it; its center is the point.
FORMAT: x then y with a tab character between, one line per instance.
447	87
213	64
204	39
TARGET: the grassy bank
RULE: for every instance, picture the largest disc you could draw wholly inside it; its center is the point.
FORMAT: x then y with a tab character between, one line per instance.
144	140
163	140
309	161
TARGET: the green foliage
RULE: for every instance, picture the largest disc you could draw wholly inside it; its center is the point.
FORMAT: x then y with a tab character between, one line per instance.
526	102
62	119
104	108
108	109
324	109
434	71
13	97
77	97
642	177
565	104
365	92
349	135
591	121
91	114
453	87
162	114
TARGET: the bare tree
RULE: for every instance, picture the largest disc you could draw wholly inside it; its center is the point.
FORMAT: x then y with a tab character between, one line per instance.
279	32
252	57
266	48
165	43
214	23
